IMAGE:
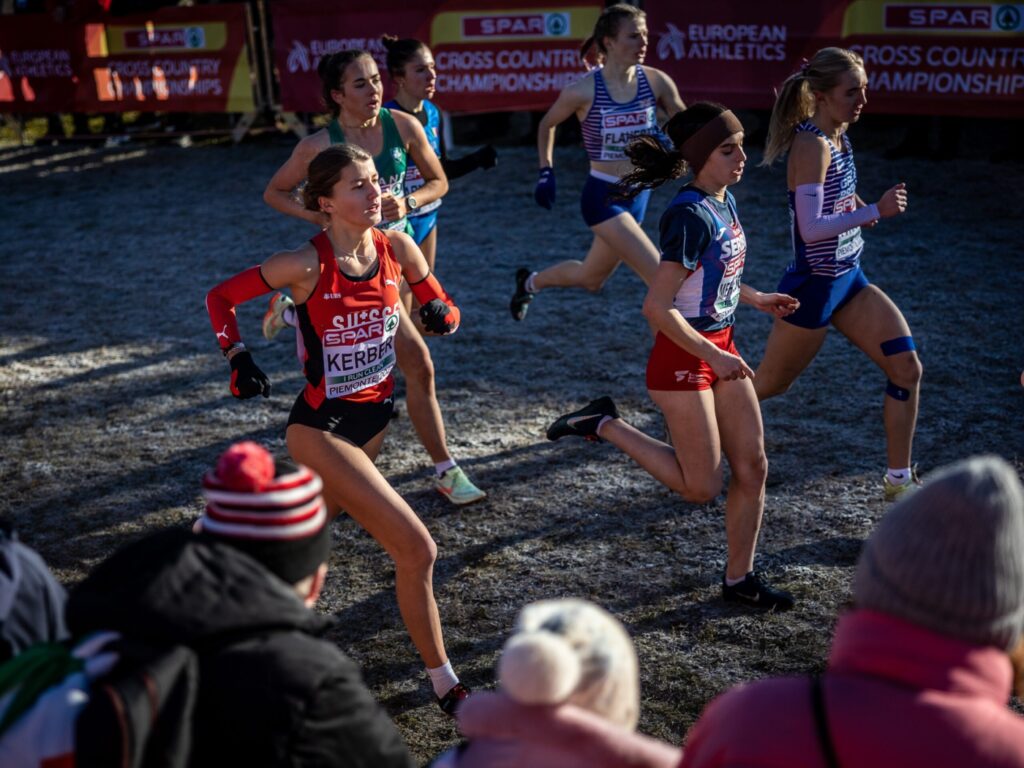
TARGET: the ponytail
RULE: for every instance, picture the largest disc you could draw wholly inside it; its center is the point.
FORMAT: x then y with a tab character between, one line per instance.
794	102
654	164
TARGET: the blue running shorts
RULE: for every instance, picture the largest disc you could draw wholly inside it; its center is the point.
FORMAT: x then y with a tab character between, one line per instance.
820	296
423	225
596	206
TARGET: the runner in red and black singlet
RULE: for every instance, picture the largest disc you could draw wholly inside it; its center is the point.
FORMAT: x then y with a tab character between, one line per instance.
345	283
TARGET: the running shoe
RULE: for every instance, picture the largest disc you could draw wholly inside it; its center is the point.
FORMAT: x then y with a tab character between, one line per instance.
757	593
449	703
273	318
456	486
583	423
521	298
894	492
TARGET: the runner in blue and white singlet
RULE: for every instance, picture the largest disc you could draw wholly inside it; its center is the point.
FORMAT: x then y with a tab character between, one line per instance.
617	102
610	125
836	255
813	110
705	236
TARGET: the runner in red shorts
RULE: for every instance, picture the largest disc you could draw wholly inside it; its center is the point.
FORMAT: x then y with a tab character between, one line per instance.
695	375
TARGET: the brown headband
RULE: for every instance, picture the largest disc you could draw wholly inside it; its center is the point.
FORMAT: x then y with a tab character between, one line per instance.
698	148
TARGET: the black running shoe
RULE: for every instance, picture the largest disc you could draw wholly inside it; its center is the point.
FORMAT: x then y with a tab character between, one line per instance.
583	423
521	298
756	593
449	703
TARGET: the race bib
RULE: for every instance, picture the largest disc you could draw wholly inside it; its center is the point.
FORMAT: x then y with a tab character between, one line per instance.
620	126
734	256
360	351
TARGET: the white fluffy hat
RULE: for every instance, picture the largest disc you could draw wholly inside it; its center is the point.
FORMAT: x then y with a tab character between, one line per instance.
572	651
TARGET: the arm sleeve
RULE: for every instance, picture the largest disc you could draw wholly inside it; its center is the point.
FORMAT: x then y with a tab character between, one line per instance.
222	300
814	226
686	232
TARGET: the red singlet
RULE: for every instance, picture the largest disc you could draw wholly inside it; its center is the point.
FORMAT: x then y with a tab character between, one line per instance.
348	328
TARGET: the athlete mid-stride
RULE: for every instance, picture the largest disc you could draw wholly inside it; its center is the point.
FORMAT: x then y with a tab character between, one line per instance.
811	114
695	374
615	103
345	284
352	91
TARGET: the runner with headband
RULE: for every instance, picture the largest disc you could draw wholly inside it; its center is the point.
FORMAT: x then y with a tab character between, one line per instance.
695	374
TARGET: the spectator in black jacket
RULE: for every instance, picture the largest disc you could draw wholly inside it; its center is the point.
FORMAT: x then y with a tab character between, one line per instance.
238	591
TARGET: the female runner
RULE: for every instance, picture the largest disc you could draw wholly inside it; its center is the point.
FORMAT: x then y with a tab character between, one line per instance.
352	90
809	120
412	69
615	103
345	283
695	374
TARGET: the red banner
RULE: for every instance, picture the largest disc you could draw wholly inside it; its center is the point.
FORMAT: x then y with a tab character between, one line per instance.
951	58
491	55
180	59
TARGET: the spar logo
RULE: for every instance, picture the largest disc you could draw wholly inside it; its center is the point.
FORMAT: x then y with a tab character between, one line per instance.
953	18
626	119
516	25
167	37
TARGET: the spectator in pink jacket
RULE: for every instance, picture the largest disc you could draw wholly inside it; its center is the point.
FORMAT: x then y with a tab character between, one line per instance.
569	698
921	671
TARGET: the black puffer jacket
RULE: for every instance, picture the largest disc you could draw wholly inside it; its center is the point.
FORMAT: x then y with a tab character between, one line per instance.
271	693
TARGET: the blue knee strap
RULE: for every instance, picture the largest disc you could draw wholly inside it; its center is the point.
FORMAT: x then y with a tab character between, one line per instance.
896	393
895	346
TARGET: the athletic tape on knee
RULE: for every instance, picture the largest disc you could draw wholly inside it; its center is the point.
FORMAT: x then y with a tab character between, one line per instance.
896	393
895	346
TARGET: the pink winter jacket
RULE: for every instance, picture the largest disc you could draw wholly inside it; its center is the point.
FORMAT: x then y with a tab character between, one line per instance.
505	734
896	694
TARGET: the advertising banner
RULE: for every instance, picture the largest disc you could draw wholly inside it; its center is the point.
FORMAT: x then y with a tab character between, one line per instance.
39	60
179	59
940	58
491	56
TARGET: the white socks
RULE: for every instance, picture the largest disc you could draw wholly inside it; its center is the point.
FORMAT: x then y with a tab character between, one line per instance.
899	476
443	679
289	317
443	466
529	283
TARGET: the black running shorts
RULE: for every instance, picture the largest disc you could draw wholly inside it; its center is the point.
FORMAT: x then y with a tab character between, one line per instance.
356	422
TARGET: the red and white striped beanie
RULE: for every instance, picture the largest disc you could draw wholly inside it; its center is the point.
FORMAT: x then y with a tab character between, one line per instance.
271	510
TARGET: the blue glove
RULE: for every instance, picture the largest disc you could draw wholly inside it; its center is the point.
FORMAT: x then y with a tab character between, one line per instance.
544	192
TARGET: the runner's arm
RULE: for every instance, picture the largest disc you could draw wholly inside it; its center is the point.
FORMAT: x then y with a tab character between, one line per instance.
437	311
569	101
666	92
418	146
281	187
777	304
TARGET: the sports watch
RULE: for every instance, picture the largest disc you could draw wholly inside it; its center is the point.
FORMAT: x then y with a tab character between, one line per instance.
411	203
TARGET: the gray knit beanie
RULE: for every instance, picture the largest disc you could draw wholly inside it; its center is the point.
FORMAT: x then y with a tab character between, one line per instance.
950	557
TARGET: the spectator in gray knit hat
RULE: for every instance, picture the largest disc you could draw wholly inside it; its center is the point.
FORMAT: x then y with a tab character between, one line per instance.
921	670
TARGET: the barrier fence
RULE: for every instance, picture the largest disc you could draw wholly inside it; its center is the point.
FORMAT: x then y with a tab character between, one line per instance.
956	57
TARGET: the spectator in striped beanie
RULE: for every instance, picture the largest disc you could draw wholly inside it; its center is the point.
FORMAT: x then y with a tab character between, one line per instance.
238	589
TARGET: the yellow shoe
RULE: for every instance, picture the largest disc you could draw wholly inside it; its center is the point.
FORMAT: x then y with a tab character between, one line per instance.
895	492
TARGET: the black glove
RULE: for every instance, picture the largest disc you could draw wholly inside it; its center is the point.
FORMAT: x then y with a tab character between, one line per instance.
246	379
439	317
486	157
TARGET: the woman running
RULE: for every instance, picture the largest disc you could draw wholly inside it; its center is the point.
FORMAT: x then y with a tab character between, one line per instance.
811	114
412	69
695	374
352	91
345	283
615	103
